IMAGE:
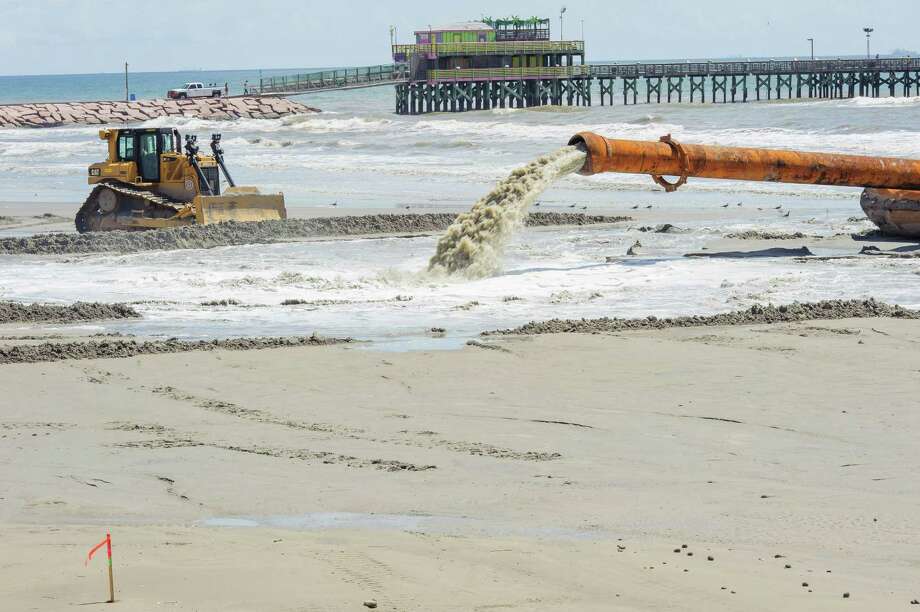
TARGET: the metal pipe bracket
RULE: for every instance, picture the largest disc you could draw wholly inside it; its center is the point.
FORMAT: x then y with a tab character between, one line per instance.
681	156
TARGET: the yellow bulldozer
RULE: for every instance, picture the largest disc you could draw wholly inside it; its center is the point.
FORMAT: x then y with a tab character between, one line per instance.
147	182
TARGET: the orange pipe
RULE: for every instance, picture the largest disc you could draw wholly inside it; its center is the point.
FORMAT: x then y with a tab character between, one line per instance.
663	159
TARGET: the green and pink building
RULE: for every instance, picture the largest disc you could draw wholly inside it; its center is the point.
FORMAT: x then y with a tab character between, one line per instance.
492	63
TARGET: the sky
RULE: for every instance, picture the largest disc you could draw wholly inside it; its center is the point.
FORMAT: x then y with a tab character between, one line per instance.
89	36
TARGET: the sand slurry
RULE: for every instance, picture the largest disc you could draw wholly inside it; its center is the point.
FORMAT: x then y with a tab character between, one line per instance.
114	349
473	244
757	314
262	232
14	312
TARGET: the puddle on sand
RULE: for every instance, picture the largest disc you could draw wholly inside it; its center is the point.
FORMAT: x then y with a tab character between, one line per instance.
411	523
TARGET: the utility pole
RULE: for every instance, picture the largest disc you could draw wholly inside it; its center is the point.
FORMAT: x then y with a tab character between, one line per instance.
561	13
812	41
868	32
582	30
127	97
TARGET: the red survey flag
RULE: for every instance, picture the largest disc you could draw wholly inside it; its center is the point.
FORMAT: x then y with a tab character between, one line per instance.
107	542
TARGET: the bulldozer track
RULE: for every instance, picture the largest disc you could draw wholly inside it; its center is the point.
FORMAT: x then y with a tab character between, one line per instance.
153	203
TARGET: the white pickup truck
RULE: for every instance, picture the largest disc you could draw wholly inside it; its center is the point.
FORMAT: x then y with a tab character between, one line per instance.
194	90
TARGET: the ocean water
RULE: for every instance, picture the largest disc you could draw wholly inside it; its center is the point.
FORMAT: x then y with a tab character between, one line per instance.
359	155
111	86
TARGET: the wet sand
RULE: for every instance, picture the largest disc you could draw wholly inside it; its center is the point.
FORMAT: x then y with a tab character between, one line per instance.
565	472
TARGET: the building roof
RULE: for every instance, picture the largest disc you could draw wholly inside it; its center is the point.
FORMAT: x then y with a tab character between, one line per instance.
466	26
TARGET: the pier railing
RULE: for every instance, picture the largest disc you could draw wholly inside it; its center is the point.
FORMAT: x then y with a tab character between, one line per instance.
347	78
822	66
490	48
497	74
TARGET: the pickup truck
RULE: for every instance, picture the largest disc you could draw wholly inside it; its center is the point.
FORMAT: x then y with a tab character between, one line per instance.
194	90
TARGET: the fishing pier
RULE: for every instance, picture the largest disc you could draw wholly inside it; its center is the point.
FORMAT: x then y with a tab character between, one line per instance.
514	63
330	80
742	81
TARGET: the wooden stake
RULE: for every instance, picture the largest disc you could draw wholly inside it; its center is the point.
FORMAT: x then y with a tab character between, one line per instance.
108	548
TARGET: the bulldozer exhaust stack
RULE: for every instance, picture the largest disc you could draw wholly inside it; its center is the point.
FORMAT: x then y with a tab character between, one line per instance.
667	157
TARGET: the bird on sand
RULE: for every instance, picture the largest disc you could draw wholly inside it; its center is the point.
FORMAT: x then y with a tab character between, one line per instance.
739	203
334	204
649	206
725	206
635	207
778	207
408	207
788	212
584	208
572	206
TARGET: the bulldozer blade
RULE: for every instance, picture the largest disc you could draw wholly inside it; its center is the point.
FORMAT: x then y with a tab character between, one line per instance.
239	204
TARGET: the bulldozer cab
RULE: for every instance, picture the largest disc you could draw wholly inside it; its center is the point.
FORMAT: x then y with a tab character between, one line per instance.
143	147
153	158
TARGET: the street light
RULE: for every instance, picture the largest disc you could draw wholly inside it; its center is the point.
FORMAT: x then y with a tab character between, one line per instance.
812	41
561	13
868	32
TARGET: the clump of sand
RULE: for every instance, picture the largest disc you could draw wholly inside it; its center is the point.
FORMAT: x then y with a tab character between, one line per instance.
14	312
473	244
768	235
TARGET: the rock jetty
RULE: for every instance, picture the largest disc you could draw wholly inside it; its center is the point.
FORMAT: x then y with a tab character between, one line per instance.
54	114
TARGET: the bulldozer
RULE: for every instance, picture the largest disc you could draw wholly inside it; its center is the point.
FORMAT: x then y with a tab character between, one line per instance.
148	182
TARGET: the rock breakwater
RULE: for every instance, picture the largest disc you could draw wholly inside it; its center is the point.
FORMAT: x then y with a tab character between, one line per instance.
54	114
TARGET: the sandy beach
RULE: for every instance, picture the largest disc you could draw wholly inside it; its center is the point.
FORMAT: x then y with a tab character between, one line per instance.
720	468
531	316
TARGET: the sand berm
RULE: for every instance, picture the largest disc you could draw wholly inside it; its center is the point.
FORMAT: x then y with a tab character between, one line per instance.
119	349
262	232
14	312
755	315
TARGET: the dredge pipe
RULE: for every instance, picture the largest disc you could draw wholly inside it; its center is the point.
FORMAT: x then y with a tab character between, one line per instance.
669	158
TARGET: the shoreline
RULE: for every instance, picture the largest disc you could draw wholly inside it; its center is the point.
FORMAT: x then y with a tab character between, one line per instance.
39	344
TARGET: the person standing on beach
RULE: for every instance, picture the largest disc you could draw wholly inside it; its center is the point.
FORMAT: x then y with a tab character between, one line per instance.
226	89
